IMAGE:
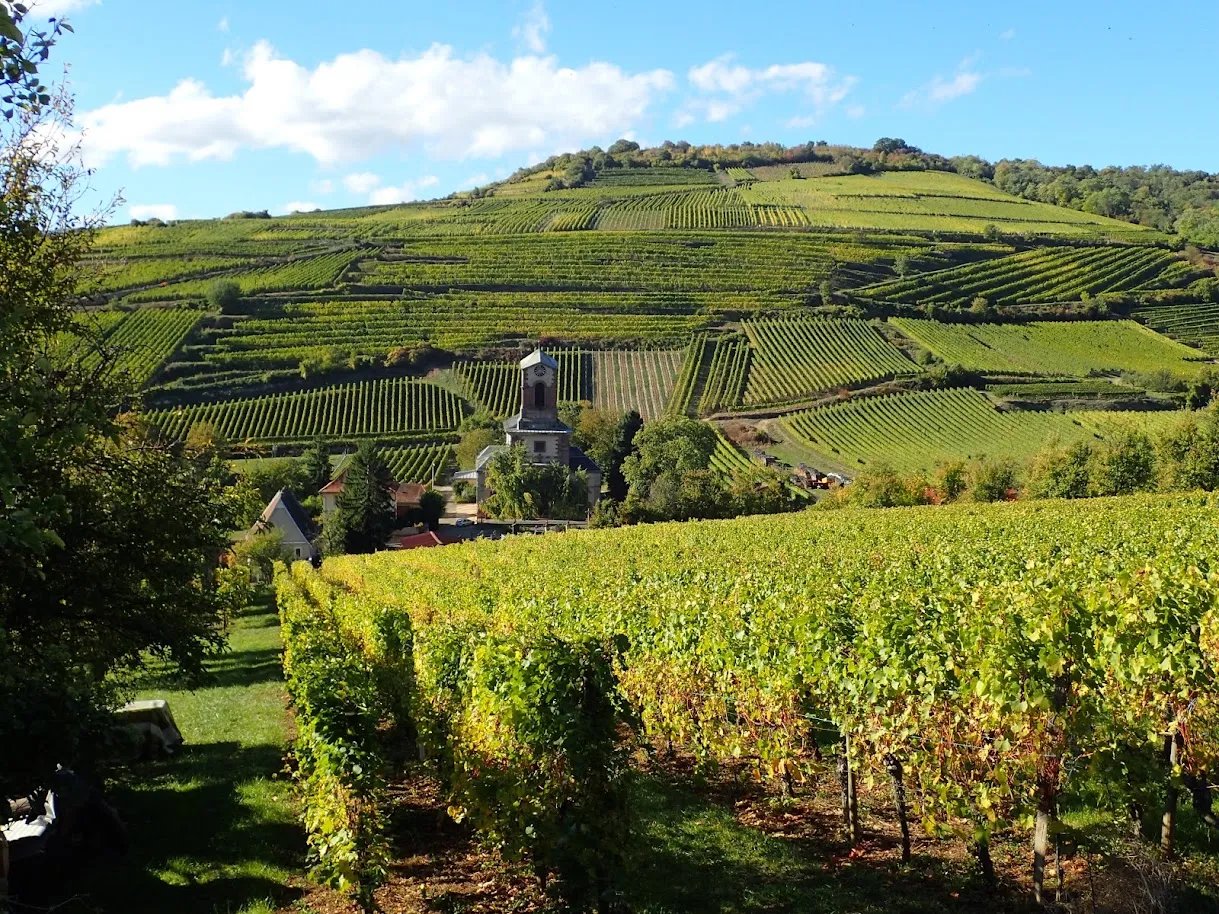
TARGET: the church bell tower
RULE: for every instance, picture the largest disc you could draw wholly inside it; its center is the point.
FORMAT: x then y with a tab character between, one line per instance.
539	387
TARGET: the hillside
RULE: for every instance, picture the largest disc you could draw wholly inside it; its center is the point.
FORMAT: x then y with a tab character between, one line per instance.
709	291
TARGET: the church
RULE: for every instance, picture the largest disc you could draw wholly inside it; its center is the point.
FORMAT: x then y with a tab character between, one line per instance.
538	430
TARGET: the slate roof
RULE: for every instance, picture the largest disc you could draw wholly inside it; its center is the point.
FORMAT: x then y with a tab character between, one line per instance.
581	461
519	423
539	357
299	516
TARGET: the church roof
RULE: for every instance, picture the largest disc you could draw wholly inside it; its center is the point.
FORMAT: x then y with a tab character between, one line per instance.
539	357
581	461
520	423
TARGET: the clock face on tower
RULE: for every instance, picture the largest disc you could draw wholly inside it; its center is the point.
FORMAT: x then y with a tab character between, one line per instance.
539	373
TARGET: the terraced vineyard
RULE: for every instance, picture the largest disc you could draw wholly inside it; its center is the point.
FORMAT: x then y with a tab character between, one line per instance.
1065	348
641	281
117	275
140	341
918	430
641	380
425	463
672	262
320	272
930	201
1038	275
338	331
725	387
390	409
796	357
1194	324
728	458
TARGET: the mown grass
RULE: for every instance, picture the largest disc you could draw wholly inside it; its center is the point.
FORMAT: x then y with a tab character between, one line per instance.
213	830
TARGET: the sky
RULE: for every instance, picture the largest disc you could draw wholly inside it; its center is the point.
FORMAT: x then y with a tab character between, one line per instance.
193	109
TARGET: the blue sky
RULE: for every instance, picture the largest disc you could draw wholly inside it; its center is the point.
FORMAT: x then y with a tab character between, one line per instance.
192	109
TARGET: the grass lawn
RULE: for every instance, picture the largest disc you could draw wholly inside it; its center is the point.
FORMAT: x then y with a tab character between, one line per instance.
212	829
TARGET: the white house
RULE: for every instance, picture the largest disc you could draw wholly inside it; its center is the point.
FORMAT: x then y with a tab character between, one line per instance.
285	514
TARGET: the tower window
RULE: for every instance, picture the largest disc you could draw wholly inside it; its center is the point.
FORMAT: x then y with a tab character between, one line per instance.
539	446
539	395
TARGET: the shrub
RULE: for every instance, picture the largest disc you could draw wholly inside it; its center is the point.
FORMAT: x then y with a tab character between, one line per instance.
223	294
993	480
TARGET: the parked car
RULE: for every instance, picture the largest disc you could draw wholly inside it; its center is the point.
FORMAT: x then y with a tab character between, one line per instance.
463	522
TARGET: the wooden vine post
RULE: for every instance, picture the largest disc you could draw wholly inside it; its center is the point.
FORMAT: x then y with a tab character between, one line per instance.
850	797
1168	821
896	775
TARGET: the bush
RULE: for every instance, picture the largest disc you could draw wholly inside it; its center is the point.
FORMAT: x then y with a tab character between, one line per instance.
993	480
223	294
882	487
1123	464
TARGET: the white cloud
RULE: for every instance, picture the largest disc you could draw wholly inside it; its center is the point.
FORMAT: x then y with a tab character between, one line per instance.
361	182
164	211
855	112
361	104
533	30
475	180
53	9
403	193
939	90
323	186
226	57
223	24
1007	34
728	88
298	206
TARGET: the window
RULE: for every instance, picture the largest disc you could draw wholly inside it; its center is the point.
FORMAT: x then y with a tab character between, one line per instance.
539	395
539	446
298	552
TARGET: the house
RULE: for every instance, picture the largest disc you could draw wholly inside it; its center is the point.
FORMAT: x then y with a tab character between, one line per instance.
285	514
425	540
407	495
537	429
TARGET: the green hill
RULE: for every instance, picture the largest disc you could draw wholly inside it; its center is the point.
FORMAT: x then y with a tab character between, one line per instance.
786	275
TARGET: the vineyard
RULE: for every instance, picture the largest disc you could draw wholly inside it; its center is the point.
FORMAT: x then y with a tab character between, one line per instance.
916	431
666	290
1068	348
1197	325
725	387
862	642
138	341
1050	275
930	201
796	357
311	273
425	463
622	262
641	380
389	409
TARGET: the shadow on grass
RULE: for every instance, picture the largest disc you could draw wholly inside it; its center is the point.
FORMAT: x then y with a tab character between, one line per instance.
693	856
247	667
201	840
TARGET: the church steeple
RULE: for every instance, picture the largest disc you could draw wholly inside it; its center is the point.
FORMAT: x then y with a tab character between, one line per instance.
539	387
